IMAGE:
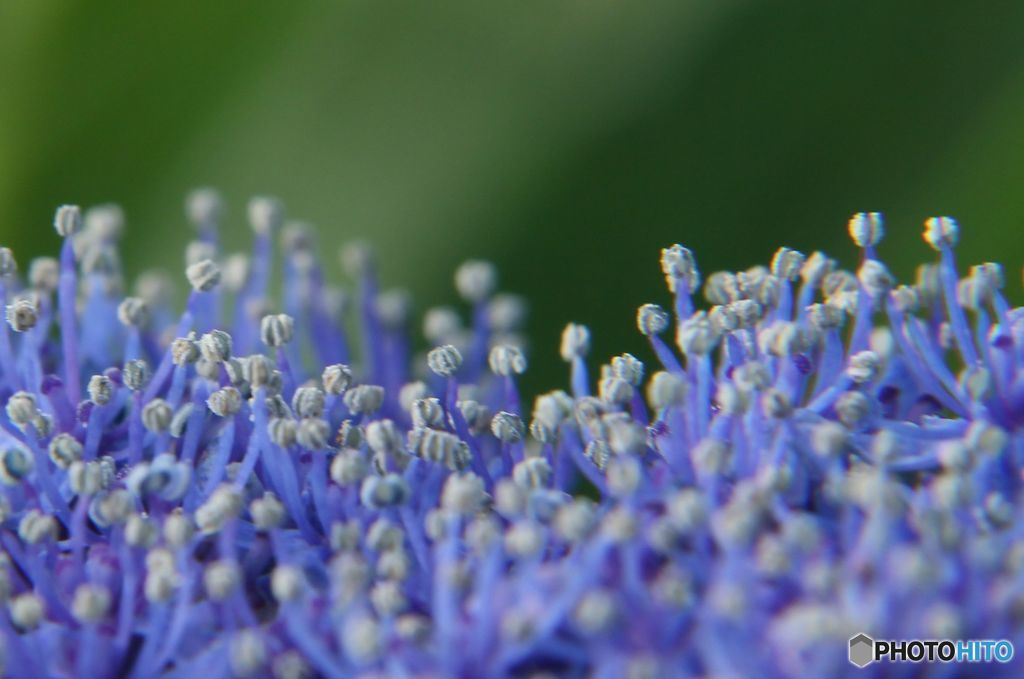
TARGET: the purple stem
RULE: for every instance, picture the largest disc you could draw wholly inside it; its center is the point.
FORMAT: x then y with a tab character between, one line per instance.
318	485
167	362
66	297
223	455
46	480
578	377
252	452
955	312
135	430
665	356
7	362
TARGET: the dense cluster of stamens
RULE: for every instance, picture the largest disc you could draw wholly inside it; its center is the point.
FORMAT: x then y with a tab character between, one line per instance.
226	492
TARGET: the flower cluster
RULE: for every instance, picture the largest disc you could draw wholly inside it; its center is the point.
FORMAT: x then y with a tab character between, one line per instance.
821	453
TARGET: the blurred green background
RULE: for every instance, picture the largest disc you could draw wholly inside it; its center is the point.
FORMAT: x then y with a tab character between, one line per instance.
567	141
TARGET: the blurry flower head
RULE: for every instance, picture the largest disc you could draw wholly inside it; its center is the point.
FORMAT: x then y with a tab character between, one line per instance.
233	486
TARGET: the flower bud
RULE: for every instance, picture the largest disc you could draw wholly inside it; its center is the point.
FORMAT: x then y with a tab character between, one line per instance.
476	414
265	214
221	578
291	665
475	280
215	346
863	367
203	207
619	525
85	478
524	538
712	456
282	431
203	276
276	330
360	637
180	420
223	505
348	467
198	250
651	320
312	433
615	391
508	427
866	229
113	508
875	278
27	611
185	350
829	439
596	612
463	494
506	313
364	399
941	232
533	472
384	535
160	586
427	412
666	390
68	220
444	360
135	374
224	402
22	315
247	653
440	447
627	367
625	436
91	603
21	408
104	222
8	265
506	360
575	342
624	475
65	449
852	408
441	324
15	465
679	265
308	402
394	307
378	492
178	529
337	378
786	264
139	531
44	274
696	336
35	527
156	415
905	299
133	312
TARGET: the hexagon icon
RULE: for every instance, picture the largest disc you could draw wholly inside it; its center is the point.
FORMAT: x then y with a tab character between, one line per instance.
862	650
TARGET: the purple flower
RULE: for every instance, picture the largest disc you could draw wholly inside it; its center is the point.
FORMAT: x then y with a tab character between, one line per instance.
228	491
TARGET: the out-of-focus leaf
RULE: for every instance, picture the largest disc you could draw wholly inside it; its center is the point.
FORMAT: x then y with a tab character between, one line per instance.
567	141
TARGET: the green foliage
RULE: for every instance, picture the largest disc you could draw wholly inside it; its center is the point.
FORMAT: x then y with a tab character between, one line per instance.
566	141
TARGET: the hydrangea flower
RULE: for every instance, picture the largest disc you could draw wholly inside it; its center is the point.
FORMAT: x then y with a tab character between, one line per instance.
226	491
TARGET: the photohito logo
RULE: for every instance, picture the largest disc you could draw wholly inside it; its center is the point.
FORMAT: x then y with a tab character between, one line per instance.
864	650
